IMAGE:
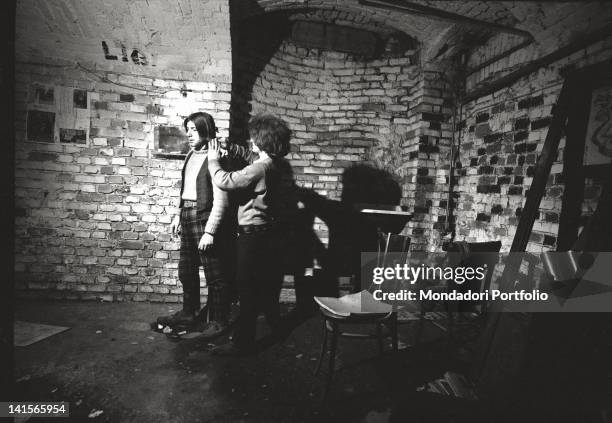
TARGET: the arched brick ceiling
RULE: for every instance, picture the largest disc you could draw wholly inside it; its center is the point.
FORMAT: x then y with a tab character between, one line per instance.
437	35
413	26
173	27
433	33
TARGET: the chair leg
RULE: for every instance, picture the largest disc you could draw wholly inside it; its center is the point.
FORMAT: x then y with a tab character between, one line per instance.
332	357
451	328
323	347
393	329
379	336
419	332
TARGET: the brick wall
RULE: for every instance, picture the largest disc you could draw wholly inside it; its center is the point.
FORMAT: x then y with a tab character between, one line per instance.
501	136
342	109
92	220
426	156
552	25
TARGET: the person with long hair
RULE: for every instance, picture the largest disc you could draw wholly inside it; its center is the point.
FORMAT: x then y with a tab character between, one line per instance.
202	226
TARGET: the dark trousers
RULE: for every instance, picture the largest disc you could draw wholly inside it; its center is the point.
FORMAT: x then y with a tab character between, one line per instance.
214	261
258	279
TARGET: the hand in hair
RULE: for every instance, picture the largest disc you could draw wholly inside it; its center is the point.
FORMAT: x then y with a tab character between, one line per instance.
213	149
219	146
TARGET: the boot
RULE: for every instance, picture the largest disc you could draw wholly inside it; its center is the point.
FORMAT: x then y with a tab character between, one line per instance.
180	318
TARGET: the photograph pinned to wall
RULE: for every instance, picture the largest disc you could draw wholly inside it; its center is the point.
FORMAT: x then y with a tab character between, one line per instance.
598	146
45	95
41	126
73	115
73	136
79	99
171	141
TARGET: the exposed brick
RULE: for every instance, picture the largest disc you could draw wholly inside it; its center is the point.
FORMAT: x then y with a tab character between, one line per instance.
497	209
43	157
536	237
531	102
520	124
433	117
549	240
425	180
132	245
493	137
389	111
429	149
488	189
482	117
521	136
485	170
498	108
481	131
520	148
482	217
552	217
540	123
494	148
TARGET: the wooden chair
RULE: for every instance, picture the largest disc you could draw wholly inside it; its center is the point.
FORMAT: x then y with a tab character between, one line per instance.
385	322
474	254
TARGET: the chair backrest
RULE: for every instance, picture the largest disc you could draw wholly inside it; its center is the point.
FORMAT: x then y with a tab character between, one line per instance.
478	254
392	243
392	250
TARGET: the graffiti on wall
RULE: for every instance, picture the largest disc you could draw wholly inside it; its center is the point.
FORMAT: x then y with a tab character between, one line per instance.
598	148
135	55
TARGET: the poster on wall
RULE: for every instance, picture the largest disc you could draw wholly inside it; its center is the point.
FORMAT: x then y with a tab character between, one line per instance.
44	95
79	99
171	140
58	114
41	126
598	146
73	136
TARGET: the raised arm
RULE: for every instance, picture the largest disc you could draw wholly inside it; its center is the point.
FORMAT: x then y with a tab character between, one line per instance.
239	179
235	151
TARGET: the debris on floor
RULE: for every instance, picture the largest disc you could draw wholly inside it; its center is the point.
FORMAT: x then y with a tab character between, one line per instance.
95	413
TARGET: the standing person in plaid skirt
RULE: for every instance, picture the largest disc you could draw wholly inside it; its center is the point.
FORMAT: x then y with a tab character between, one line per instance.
205	233
259	191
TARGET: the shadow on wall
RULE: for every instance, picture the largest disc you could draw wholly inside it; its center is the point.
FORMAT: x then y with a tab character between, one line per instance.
363	183
255	39
350	233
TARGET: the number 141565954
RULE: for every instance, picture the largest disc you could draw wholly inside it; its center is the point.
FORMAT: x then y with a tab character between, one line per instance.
34	409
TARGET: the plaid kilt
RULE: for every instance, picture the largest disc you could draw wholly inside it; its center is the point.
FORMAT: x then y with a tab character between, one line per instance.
214	261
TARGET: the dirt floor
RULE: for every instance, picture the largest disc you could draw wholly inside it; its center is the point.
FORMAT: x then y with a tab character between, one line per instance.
111	361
